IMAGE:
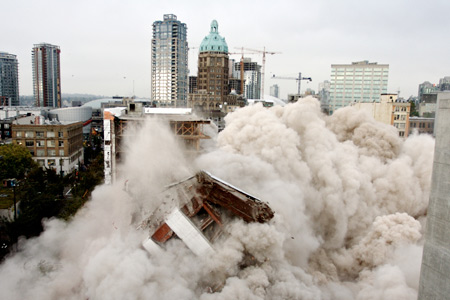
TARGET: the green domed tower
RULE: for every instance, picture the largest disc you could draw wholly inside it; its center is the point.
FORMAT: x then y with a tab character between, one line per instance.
213	69
214	42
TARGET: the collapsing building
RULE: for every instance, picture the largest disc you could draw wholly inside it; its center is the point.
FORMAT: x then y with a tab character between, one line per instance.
196	209
183	124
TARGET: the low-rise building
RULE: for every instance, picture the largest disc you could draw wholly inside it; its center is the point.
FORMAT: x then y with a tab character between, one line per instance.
389	111
421	125
52	144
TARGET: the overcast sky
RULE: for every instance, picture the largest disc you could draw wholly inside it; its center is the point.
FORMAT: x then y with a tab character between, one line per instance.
105	45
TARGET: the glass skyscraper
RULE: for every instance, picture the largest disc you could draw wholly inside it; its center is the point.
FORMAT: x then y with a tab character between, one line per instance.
46	75
357	82
170	62
9	80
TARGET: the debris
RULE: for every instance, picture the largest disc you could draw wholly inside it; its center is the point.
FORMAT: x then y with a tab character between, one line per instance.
194	210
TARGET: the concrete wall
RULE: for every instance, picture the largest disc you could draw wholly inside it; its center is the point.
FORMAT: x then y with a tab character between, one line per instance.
435	272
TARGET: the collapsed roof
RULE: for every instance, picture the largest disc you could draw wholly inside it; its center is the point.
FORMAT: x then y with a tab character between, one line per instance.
193	210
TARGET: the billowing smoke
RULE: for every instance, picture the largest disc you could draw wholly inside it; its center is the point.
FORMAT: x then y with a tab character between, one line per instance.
350	200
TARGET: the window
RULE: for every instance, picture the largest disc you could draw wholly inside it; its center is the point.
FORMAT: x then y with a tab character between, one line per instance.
50	134
40	134
51	162
51	152
19	134
40	152
29	143
60	134
40	143
41	162
61	143
29	134
50	143
61	152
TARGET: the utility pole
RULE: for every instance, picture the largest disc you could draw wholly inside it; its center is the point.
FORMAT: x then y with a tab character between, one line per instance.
13	183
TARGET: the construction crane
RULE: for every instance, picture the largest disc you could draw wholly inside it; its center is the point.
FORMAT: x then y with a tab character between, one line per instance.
263	52
299	79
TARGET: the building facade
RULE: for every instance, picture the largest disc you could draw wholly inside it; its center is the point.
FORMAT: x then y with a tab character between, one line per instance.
421	125
9	80
275	91
58	146
389	111
170	62
46	75
213	65
357	82
427	88
324	96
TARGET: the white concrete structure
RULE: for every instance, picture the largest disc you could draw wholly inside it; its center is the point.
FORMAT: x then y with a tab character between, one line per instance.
435	272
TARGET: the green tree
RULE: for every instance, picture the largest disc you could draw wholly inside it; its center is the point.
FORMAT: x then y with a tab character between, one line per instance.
40	197
15	161
413	111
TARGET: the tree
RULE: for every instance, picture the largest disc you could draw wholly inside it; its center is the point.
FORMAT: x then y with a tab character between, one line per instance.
413	112
15	161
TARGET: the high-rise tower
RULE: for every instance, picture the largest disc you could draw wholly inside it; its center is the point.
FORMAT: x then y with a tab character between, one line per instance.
9	79
46	75
213	66
170	62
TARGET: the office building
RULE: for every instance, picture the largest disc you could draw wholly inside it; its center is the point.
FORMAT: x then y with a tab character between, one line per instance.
170	62
357	82
9	80
275	91
46	75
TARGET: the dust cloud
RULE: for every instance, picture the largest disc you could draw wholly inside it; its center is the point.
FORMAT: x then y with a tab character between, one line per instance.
350	200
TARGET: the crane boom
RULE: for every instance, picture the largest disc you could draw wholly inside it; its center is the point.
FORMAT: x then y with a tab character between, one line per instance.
299	79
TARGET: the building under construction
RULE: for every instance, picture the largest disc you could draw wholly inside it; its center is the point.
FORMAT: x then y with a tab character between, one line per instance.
183	124
251	73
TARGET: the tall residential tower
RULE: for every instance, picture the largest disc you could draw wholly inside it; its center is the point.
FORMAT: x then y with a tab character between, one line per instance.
358	82
46	75
170	62
9	80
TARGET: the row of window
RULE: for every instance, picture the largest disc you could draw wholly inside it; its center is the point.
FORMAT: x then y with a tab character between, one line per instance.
39	134
403	108
399	117
41	143
49	152
422	125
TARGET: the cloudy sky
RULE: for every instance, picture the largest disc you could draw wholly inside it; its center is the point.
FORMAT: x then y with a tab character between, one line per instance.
105	45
